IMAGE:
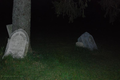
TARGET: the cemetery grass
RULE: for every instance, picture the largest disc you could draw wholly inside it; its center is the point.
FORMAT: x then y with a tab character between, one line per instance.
60	59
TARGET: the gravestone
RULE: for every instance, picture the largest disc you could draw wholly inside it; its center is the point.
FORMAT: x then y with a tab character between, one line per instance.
86	40
9	29
17	45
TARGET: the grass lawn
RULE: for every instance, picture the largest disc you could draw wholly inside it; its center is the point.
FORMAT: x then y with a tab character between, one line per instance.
59	59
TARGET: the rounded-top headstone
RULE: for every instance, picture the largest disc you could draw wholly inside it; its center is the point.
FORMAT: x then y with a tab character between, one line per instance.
17	45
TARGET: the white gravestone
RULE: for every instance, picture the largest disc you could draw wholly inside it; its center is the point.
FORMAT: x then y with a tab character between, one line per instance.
86	40
17	45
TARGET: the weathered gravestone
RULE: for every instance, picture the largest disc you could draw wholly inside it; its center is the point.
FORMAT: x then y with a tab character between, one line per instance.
9	29
86	40
17	45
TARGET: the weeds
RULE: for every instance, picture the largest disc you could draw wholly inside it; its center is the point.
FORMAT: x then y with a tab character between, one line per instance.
1	51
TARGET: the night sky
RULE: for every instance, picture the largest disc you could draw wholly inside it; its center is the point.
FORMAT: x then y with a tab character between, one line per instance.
44	21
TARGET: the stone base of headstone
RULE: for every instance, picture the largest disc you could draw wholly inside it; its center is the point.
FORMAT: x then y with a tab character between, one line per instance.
79	44
17	45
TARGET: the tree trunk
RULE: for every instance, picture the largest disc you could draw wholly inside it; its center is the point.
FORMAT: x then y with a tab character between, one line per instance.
21	17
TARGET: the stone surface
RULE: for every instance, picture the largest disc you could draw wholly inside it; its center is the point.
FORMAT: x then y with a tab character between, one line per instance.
9	29
88	41
79	44
17	45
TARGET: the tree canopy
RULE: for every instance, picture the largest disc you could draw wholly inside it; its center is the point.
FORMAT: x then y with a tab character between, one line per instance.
112	9
71	8
75	8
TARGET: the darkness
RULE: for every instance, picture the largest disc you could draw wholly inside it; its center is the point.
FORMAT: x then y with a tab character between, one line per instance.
44	21
45	24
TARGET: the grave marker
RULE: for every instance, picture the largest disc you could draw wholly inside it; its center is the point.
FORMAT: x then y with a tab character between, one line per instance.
86	40
17	45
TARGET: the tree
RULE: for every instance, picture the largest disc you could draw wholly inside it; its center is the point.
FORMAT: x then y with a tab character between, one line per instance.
75	8
71	8
21	16
112	9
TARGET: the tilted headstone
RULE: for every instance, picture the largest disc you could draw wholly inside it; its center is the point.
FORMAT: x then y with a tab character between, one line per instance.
9	29
17	45
87	41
